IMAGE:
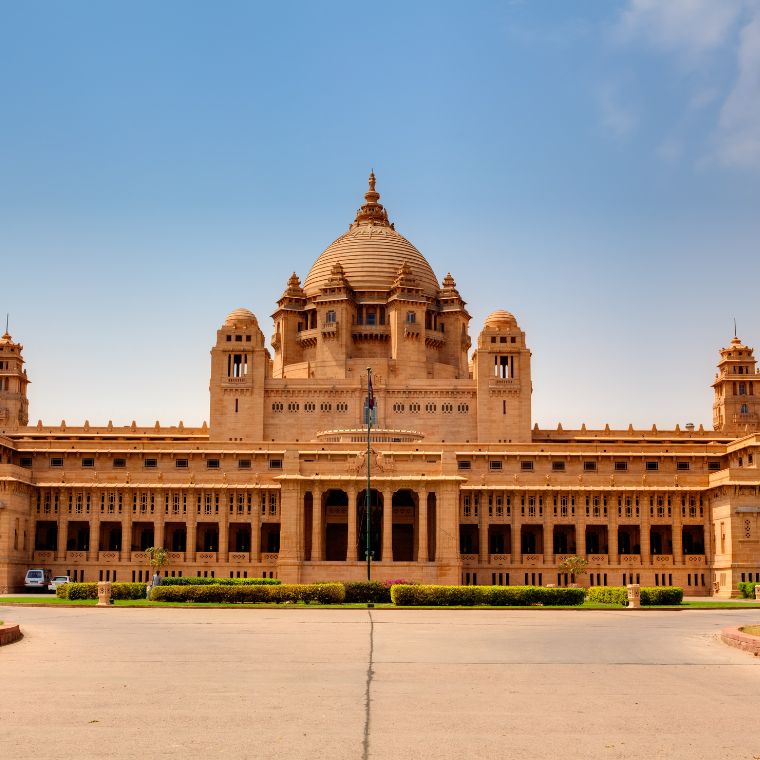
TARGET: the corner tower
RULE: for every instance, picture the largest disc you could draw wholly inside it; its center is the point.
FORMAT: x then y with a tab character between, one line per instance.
239	366
736	404
14	406
501	370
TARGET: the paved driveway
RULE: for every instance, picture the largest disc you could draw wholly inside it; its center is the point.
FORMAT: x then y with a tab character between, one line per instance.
185	683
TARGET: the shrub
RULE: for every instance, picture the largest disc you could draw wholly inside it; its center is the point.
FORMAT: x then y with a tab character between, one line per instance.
74	591
467	596
607	595
748	589
238	593
190	581
367	591
656	595
650	596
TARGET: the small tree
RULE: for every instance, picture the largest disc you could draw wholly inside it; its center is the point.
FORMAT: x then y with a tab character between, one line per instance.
574	565
157	556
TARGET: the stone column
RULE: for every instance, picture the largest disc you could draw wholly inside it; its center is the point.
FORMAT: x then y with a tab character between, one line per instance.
483	528
548	538
352	537
612	541
126	538
158	531
224	533
317	529
422	529
387	550
677	527
646	559
190	532
447	529
256	527
580	538
63	530
516	528
92	554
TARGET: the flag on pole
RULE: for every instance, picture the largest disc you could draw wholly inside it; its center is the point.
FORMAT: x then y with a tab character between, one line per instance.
370	394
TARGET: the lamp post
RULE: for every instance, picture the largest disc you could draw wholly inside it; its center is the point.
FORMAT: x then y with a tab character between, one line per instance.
369	412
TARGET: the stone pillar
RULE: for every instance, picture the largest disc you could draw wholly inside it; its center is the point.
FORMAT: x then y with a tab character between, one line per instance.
516	528
447	530
612	541
634	596
126	538
317	528
256	527
190	537
422	528
580	538
351	555
676	529
646	559
224	536
548	539
104	593
158	532
63	532
92	554
483	529
387	549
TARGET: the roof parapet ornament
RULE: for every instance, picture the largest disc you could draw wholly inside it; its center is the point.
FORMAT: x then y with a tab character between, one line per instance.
372	213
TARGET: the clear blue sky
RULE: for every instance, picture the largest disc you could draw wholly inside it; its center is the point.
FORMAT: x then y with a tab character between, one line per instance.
592	167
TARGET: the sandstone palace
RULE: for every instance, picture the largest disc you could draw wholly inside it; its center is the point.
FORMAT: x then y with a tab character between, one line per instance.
464	488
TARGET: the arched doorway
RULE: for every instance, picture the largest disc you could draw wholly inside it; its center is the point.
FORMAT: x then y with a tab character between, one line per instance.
405	510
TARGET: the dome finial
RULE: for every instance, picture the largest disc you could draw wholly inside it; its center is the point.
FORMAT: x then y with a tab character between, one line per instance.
372	212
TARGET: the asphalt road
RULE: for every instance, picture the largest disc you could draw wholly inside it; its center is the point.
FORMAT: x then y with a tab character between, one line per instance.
400	684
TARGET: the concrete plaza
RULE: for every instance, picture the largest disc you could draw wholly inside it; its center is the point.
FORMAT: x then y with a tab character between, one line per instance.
294	683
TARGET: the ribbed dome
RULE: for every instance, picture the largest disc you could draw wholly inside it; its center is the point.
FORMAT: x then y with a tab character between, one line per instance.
240	317
371	254
498	319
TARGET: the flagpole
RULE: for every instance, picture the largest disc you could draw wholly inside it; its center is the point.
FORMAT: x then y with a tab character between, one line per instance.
369	429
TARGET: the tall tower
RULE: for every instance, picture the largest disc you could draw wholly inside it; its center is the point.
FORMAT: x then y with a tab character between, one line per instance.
501	369
14	406
239	366
736	405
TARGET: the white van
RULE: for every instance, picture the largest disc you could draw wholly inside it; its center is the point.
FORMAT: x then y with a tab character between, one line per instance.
37	579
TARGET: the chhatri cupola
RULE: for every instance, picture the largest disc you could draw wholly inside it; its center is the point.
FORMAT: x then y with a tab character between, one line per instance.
371	299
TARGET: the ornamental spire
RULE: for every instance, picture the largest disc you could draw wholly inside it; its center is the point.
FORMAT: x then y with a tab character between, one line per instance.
372	213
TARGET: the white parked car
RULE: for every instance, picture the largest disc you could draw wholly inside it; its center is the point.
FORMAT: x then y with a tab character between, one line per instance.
58	580
37	579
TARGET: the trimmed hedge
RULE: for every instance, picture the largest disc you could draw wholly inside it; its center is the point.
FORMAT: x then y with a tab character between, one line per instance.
317	593
497	596
748	589
90	591
651	596
375	592
190	581
607	595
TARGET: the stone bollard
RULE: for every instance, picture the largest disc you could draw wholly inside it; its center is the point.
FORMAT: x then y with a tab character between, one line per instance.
757	592
634	596
104	593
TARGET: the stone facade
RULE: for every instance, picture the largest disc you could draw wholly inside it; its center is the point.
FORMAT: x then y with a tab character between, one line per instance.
463	488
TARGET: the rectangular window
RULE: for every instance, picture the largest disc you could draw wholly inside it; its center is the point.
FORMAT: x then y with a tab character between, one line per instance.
651	466
464	464
494	464
119	463
589	466
558	466
26	462
621	466
150	463
682	466
275	464
713	466
56	461
411	318
212	464
330	317
181	464
88	461
244	464
526	465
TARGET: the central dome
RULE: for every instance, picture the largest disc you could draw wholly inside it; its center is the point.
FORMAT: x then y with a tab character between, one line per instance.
371	254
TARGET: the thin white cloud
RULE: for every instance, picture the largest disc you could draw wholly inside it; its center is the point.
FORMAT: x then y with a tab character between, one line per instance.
618	116
738	136
689	28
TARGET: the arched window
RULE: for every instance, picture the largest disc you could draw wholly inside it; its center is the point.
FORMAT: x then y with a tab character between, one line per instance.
744	409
